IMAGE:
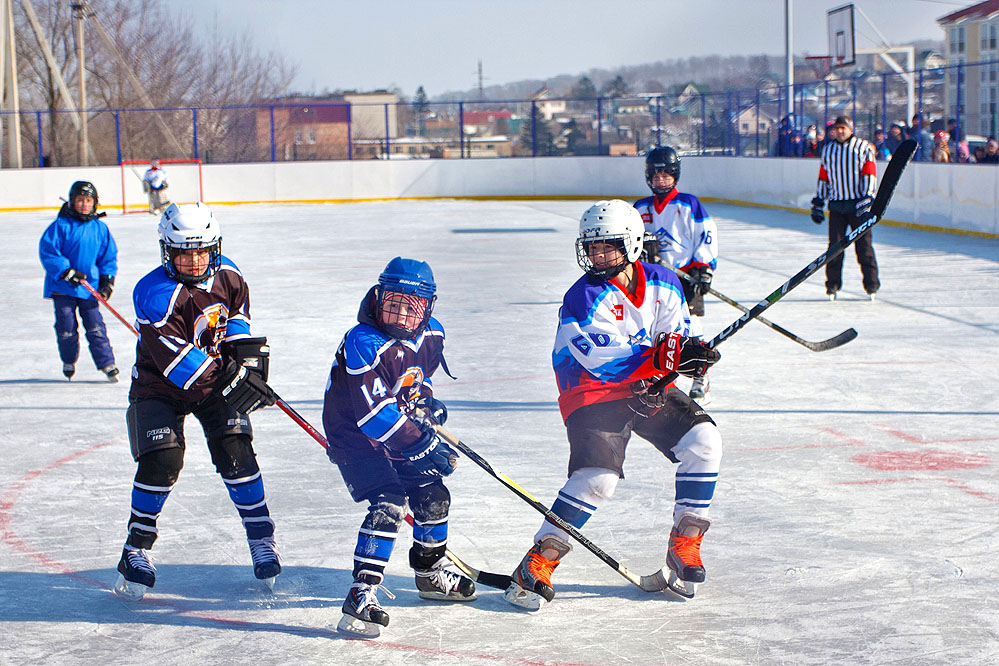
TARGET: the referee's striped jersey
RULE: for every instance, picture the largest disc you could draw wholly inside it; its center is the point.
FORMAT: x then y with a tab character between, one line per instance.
847	170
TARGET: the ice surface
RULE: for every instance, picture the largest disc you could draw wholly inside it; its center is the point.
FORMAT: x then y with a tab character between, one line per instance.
854	522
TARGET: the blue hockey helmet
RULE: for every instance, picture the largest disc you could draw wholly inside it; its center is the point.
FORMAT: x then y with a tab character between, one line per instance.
406	295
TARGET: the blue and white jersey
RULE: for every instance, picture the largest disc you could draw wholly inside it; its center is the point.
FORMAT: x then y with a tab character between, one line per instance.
687	235
373	385
156	177
181	329
605	334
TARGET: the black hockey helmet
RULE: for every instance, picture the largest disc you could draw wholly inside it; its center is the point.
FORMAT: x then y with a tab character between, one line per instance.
82	188
664	159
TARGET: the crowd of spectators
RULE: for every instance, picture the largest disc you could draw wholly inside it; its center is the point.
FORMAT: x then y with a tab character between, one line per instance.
950	145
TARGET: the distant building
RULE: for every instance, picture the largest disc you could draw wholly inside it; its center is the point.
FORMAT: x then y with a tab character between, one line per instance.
546	103
373	114
973	36
304	128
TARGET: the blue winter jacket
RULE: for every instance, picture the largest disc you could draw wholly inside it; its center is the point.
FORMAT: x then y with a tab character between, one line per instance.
86	246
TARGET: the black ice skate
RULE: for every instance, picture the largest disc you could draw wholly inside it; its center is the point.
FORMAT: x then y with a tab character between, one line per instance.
532	587
136	574
684	556
112	373
68	369
441	584
266	561
362	616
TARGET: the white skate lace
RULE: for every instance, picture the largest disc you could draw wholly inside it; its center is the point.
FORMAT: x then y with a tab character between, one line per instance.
367	595
140	560
263	550
443	579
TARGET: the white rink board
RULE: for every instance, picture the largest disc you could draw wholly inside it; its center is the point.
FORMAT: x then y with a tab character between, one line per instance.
854	521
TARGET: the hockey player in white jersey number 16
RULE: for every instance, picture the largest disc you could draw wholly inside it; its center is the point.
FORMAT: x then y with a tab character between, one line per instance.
622	326
686	236
386	450
195	356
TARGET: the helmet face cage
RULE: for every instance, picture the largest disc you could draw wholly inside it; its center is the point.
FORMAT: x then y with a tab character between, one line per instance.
615	223
405	298
191	227
662	160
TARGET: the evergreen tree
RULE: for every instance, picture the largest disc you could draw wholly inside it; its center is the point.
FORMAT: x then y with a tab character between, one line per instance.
422	108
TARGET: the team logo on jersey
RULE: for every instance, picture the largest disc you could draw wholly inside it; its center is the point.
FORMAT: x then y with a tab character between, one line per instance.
209	328
407	387
618	311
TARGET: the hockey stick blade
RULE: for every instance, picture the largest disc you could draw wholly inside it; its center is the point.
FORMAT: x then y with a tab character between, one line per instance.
653	583
823	345
893	173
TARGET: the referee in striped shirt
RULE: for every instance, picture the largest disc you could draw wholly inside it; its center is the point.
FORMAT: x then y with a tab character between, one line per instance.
848	179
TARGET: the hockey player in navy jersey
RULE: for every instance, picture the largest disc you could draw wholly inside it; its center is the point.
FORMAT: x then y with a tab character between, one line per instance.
687	239
622	326
378	415
195	356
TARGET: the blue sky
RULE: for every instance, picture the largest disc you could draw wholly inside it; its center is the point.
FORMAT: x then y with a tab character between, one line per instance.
438	43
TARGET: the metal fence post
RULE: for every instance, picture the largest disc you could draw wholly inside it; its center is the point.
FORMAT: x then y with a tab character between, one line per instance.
350	135
461	131
600	126
117	134
958	105
194	126
659	120
704	122
534	128
273	144
388	144
41	150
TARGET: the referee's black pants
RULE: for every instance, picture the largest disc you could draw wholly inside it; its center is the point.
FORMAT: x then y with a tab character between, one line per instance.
839	224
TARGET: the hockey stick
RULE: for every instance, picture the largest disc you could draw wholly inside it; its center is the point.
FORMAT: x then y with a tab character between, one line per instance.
653	583
823	345
893	173
498	581
103	301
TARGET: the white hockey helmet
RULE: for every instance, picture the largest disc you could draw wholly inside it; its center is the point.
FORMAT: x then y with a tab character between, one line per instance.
188	227
614	222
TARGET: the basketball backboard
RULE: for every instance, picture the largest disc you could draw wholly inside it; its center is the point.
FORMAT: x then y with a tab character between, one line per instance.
842	48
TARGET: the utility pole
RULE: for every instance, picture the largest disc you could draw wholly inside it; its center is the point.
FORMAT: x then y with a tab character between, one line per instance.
8	86
78	14
482	93
789	57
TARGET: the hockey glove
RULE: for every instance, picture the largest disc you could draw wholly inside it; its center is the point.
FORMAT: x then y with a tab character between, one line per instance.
864	208
251	353
642	402
691	357
434	409
73	276
430	456
701	277
106	286
818	216
243	389
650	248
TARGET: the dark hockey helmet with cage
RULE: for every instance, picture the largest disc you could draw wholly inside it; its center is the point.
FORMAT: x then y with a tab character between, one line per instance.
406	292
189	227
663	159
86	189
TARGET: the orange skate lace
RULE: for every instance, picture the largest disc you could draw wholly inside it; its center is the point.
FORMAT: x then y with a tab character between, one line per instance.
542	568
687	549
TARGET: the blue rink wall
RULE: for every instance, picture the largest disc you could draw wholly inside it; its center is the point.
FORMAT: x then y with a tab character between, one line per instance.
938	197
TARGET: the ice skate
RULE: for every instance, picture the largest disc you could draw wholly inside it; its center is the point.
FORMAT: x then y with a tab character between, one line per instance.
68	369
266	561
700	390
362	616
532	587
684	556
112	373
136	574
441	584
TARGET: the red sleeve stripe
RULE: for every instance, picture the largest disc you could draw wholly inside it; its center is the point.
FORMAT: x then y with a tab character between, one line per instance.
823	174
869	169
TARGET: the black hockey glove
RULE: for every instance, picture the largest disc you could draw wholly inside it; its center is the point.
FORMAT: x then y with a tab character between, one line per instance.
430	456
73	276
691	357
818	205
434	409
106	286
642	402
864	208
251	353
243	389
701	279
650	248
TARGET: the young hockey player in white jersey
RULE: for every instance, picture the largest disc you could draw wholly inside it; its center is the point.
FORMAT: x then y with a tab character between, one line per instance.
687	239
195	356
386	450
154	183
622	326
